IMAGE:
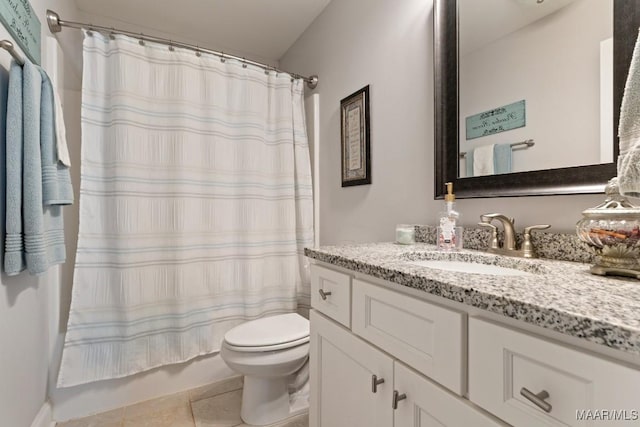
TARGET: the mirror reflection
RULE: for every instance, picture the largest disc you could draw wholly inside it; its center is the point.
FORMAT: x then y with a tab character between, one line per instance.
533	96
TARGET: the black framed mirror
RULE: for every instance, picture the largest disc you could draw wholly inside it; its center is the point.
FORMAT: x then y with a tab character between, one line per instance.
567	180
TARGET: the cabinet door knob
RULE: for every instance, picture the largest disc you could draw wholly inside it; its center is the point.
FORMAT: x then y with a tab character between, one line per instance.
397	397
537	399
324	294
375	382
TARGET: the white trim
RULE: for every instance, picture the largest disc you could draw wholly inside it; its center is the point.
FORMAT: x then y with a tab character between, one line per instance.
606	100
44	418
312	106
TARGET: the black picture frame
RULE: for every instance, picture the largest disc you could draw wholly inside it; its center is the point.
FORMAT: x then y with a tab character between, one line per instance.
570	180
355	168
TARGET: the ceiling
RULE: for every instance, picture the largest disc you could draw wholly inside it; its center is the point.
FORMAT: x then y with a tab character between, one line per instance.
483	22
258	29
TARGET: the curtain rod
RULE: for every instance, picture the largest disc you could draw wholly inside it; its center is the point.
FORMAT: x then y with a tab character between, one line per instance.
56	24
8	46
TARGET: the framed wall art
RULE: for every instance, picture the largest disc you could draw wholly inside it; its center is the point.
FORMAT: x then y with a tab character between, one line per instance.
355	142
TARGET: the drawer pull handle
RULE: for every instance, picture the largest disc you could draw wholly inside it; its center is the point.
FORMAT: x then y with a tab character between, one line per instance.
537	399
397	397
375	382
324	294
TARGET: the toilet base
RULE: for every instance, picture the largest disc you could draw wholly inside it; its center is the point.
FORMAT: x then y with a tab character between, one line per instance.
265	400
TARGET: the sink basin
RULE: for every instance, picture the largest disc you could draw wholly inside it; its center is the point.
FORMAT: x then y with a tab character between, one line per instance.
475	263
470	267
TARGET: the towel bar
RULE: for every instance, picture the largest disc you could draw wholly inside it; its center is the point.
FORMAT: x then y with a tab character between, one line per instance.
8	46
524	144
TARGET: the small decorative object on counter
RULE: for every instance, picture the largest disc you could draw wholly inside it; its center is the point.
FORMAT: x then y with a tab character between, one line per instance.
405	234
612	230
449	234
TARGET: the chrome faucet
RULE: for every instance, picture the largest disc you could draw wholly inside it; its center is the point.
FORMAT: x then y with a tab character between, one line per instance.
509	243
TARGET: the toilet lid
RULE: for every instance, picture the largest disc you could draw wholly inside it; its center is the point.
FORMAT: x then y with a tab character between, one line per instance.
269	331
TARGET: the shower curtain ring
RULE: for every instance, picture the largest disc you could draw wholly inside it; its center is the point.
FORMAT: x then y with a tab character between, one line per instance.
111	34
90	30
171	48
198	54
244	63
141	41
222	57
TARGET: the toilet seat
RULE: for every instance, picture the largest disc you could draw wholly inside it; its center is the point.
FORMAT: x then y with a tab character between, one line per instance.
272	333
252	349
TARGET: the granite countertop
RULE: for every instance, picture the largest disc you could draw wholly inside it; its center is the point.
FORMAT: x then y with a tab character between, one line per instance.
558	295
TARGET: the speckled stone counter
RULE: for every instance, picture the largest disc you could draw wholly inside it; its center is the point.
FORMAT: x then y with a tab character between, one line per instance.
558	295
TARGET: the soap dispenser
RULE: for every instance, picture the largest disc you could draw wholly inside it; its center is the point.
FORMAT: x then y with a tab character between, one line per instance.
449	233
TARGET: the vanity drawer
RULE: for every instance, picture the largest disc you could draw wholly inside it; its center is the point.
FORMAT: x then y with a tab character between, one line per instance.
331	294
502	362
427	337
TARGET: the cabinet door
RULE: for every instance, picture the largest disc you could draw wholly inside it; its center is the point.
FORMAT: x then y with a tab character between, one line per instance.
427	404
427	337
342	368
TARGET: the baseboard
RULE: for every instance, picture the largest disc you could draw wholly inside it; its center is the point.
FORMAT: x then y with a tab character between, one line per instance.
44	418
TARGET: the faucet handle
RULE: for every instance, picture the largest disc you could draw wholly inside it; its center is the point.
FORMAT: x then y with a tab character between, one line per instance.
493	243
528	230
528	251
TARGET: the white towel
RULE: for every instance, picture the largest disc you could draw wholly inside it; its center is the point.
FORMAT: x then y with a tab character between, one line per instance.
629	130
483	160
61	131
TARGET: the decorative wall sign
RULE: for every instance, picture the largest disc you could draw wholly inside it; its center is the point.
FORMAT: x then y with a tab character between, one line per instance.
19	18
498	120
355	144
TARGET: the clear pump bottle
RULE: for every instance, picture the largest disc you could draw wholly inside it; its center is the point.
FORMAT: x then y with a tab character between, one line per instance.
449	233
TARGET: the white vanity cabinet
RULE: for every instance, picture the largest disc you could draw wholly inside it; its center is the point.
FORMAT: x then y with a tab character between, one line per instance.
331	294
427	337
356	385
508	368
343	369
383	372
448	364
427	405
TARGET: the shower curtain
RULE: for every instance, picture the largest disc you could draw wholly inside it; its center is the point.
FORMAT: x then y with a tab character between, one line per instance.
195	206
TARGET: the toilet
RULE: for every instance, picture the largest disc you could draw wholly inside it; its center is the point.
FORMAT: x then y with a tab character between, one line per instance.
272	354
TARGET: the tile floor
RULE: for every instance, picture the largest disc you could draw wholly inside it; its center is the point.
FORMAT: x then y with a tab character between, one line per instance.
214	405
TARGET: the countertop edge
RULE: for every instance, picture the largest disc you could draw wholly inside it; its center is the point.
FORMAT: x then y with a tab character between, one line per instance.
579	326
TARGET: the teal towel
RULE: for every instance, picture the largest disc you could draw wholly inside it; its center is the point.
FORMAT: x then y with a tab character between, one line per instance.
502	158
32	207
41	225
56	180
14	261
469	163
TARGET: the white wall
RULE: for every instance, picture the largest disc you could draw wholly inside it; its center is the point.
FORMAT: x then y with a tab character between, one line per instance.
557	73
24	299
389	45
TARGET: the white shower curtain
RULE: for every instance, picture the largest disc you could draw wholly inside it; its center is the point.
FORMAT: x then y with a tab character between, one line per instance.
195	206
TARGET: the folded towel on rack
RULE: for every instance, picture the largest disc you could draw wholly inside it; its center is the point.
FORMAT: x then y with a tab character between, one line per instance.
56	180
629	130
61	131
502	158
483	160
14	261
